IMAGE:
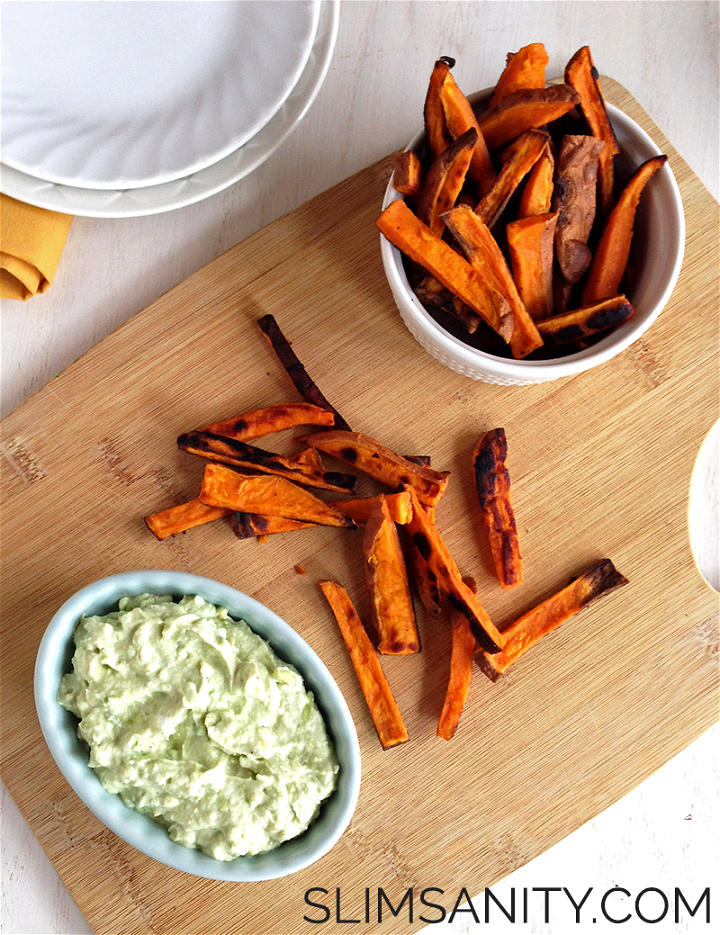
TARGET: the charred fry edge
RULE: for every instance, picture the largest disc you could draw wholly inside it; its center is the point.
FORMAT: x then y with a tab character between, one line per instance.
492	482
304	384
528	629
240	454
586	321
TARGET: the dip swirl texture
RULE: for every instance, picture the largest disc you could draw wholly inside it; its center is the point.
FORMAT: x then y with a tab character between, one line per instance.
192	719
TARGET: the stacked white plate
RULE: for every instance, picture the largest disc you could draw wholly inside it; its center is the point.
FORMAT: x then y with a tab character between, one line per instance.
120	109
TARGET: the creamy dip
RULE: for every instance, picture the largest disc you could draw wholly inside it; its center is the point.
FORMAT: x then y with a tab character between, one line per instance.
192	719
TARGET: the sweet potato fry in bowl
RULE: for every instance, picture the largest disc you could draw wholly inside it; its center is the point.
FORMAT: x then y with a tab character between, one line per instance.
585	322
524	70
522	110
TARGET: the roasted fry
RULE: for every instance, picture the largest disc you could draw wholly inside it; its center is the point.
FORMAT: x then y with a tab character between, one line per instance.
538	191
416	240
525	70
459	118
581	74
521	635
523	110
399	504
486	258
519	158
267	494
260	422
184	516
375	459
430	544
304	384
381	703
530	243
492	482
408	174
575	202
612	252
444	181
240	454
386	577
461	666
436	131
257	526
586	321
426	582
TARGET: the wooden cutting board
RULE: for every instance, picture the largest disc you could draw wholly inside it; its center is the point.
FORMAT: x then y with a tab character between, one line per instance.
601	466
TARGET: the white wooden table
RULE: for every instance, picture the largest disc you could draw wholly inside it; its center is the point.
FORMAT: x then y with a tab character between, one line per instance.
665	833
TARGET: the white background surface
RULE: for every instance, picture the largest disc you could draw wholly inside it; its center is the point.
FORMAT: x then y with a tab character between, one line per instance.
664	834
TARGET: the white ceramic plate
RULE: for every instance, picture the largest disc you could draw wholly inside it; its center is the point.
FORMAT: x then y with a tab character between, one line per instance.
155	199
121	95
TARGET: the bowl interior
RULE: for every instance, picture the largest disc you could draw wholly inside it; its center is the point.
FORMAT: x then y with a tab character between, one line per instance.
653	268
59	727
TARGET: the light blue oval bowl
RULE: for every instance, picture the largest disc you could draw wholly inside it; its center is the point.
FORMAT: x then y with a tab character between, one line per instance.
59	727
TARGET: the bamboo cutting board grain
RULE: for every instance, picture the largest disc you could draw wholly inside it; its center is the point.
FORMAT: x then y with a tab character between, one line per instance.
601	466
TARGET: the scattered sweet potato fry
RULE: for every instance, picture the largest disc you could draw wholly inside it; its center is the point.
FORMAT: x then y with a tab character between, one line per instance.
304	384
583	322
258	526
436	131
408	233
375	459
581	74
444	181
486	258
519	158
429	543
492	482
267	494
523	110
461	668
183	516
260	422
386	577
240	454
459	118
528	629
408	174
575	202
538	191
381	703
611	254
525	70
530	243
399	504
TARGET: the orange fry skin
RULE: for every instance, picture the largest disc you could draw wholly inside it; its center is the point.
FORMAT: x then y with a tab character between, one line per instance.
492	481
375	459
276	418
525	70
407	174
611	254
381	703
429	543
528	629
461	670
399	504
459	118
184	516
391	604
537	194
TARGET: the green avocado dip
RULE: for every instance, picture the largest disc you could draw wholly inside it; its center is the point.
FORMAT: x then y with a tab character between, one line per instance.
192	719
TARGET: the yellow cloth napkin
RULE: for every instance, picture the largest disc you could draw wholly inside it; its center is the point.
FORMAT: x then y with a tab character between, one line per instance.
31	244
